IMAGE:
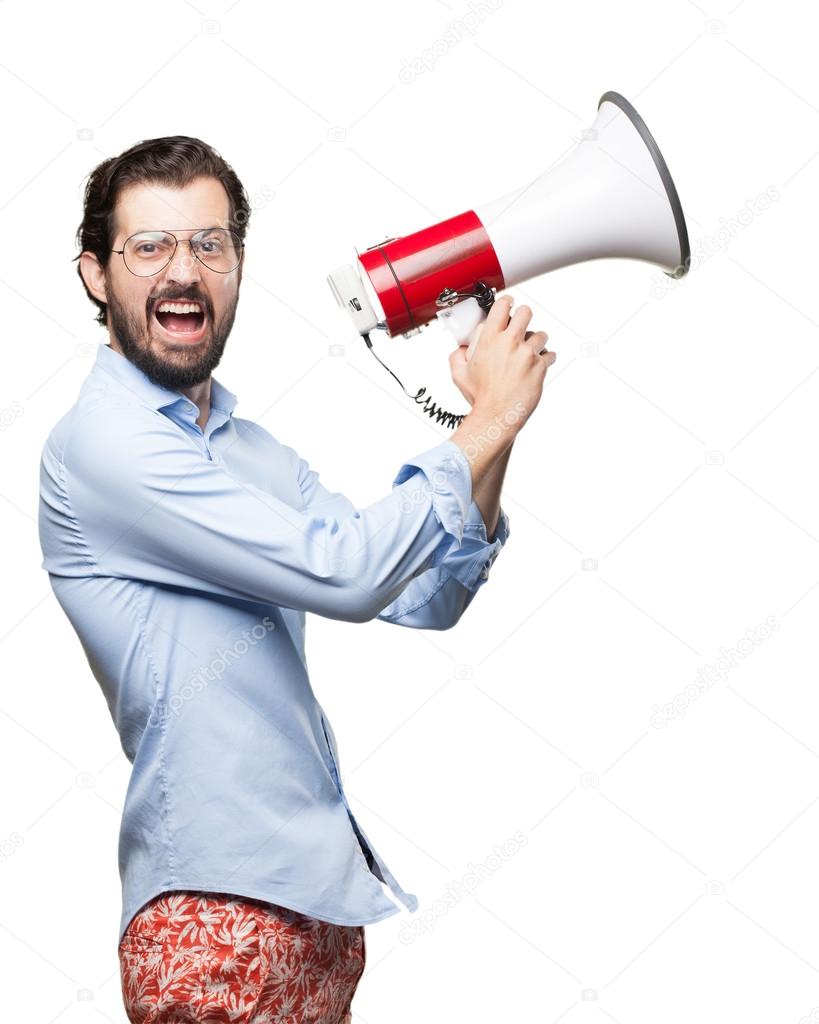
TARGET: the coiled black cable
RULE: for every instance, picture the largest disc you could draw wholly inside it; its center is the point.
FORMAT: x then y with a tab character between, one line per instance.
449	419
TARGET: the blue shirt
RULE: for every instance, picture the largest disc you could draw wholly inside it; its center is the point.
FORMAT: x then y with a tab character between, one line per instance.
185	560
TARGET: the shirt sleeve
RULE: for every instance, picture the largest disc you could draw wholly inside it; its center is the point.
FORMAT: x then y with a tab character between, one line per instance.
142	502
439	595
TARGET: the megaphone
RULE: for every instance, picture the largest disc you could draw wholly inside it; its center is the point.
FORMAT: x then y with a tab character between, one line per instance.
611	196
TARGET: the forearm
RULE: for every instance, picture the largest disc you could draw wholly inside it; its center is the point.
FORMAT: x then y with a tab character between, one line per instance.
487	444
487	493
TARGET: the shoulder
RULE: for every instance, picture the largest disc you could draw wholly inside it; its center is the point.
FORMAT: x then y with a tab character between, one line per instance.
106	437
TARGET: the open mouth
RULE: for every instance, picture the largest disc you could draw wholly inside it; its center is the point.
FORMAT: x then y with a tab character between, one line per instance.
183	320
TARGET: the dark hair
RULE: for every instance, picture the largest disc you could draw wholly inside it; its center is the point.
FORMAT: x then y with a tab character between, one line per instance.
174	160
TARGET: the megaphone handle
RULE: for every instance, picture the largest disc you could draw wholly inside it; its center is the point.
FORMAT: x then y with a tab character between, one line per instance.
472	340
486	299
462	320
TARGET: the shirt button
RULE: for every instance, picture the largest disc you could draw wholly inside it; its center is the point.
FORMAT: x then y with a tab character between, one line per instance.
484	573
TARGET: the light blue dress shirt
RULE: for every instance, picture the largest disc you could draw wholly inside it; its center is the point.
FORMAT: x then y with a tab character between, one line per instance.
185	560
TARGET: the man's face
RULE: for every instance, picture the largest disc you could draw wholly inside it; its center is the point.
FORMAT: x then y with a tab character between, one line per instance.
173	351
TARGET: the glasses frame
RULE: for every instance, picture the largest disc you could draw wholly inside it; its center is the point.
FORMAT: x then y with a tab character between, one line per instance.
190	241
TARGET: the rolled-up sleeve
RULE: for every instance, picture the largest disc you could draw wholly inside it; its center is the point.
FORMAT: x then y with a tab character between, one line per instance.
146	504
438	598
446	583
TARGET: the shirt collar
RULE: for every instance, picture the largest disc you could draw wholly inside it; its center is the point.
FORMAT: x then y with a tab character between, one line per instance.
114	364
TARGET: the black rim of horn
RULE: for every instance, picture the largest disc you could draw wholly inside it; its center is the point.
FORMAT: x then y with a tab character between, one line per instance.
665	174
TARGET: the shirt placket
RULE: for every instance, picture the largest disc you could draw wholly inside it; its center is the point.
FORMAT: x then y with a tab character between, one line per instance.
203	437
333	766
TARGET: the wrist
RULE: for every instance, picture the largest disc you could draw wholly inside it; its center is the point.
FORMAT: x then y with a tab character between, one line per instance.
485	437
493	423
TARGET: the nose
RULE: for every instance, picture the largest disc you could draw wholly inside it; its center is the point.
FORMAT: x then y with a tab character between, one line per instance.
184	268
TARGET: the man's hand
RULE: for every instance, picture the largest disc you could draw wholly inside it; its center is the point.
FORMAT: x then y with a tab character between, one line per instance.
475	381
503	382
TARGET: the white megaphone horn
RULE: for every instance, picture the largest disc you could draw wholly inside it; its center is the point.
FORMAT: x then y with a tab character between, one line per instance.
611	196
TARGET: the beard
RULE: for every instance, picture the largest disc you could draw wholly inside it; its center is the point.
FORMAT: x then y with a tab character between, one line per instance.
172	368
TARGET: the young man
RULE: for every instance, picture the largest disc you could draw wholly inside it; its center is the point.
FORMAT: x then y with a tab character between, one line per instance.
185	545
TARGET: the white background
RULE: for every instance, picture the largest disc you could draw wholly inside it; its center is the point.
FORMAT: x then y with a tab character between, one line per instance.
662	499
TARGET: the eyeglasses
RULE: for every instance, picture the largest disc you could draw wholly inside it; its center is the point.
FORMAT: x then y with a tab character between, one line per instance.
148	252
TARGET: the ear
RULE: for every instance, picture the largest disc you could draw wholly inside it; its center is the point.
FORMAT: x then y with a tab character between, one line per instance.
93	275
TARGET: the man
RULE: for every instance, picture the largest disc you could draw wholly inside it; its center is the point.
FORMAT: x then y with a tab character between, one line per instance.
185	545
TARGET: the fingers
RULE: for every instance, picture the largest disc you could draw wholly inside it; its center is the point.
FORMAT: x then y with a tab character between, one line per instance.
537	340
520	318
498	316
498	320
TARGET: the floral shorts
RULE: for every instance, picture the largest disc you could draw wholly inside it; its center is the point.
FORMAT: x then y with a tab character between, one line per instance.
212	957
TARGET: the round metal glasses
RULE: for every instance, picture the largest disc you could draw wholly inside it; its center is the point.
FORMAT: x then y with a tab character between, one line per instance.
148	252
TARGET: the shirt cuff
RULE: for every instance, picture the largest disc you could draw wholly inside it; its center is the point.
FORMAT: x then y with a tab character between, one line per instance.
447	481
471	562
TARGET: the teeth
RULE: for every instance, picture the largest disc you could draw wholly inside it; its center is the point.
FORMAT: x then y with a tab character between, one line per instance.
179	307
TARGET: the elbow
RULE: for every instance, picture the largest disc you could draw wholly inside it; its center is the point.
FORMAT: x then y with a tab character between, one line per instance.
362	612
364	598
365	607
355	604
370	606
342	588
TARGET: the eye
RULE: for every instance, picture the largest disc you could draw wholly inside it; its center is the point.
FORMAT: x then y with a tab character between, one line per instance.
147	247
211	246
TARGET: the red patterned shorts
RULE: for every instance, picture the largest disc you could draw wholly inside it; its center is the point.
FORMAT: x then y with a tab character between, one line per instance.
212	957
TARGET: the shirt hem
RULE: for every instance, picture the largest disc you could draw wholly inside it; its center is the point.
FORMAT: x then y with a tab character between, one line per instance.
249	892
